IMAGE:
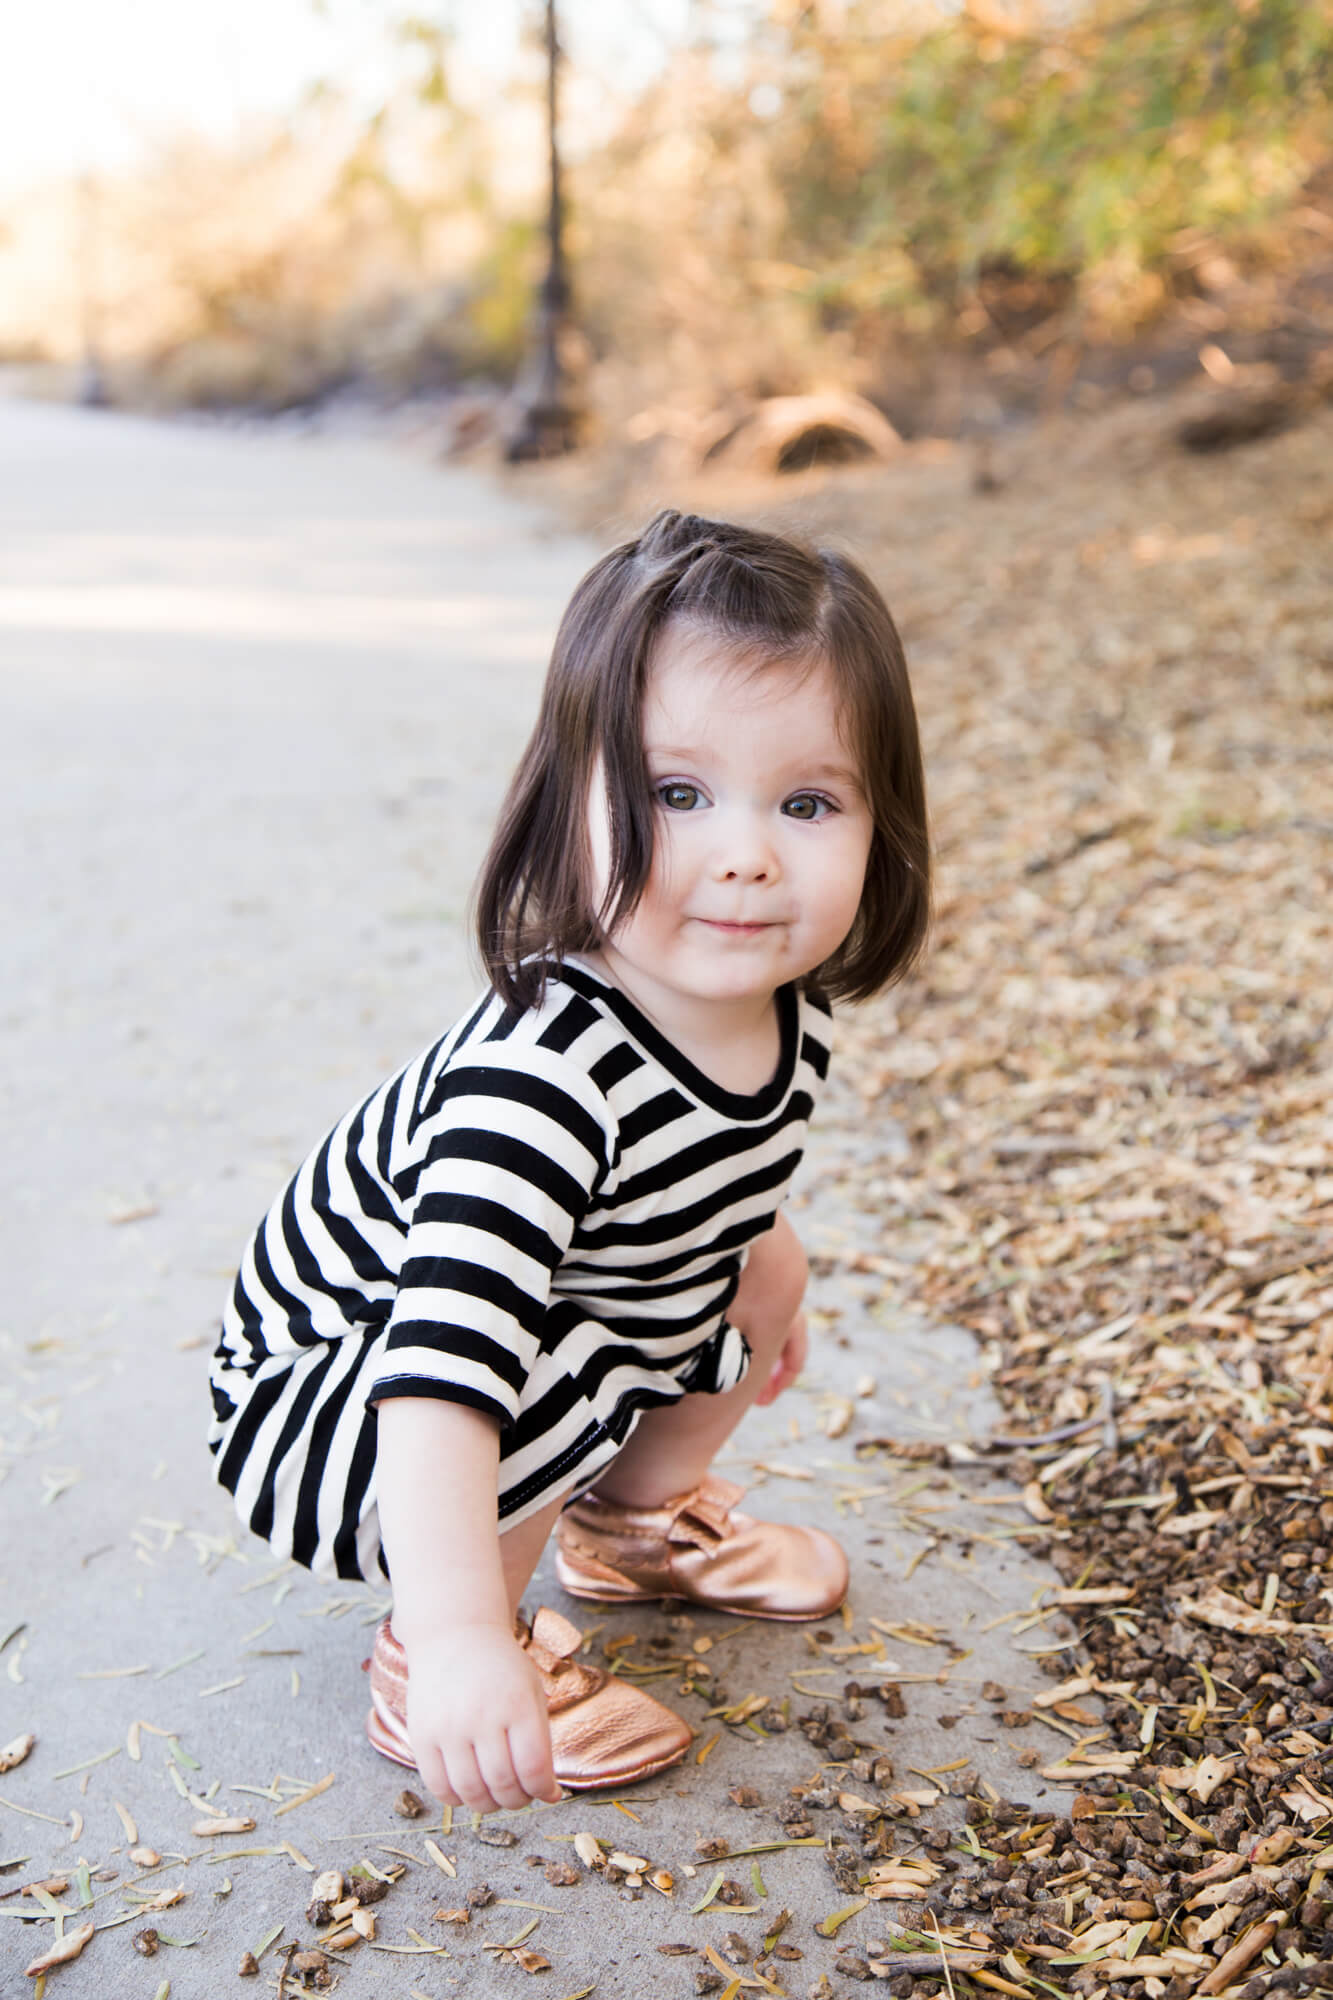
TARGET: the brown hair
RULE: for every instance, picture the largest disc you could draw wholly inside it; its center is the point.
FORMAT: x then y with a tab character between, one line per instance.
766	595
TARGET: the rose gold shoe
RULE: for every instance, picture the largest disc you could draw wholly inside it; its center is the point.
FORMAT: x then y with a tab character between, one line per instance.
697	1547
603	1731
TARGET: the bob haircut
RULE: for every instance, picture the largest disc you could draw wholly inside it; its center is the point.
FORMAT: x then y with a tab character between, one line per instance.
763	595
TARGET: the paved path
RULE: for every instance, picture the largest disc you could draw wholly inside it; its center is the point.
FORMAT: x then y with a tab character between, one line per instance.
260	697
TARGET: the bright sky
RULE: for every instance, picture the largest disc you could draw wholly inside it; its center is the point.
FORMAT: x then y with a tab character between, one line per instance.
94	83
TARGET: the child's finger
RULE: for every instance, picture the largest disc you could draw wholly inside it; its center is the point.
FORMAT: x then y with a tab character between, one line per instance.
534	1765
782	1378
466	1780
497	1770
430	1767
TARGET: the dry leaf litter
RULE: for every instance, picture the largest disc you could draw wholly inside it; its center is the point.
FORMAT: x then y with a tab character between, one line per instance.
1113	1075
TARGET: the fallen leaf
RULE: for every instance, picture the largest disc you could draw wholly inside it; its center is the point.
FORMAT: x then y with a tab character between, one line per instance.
63	1953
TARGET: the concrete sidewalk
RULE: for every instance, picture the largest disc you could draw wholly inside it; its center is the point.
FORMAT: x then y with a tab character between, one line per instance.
261	696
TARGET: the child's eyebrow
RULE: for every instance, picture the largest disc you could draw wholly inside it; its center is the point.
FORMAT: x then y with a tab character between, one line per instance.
688	754
845	774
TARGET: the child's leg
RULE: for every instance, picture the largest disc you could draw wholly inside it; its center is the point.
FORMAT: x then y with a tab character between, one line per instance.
521	1550
658	1526
671	1448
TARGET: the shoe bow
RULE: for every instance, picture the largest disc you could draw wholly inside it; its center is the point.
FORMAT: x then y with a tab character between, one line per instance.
702	1519
551	1643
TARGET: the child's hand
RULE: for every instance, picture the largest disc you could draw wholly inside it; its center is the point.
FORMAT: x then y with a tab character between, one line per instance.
477	1721
789	1363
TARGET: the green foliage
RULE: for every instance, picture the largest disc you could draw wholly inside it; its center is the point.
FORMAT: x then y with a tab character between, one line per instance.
1087	149
498	312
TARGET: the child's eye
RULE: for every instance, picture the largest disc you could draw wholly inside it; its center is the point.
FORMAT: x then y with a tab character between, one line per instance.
807	805
678	797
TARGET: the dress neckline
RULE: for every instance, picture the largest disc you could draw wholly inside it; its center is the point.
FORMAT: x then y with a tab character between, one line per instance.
735	1104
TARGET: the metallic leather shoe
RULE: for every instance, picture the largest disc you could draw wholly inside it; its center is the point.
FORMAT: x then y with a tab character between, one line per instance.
697	1547
603	1730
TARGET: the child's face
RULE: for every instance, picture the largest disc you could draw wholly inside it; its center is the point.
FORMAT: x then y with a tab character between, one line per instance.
761	835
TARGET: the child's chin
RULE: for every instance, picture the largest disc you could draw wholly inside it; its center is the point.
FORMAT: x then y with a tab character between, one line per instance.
740	986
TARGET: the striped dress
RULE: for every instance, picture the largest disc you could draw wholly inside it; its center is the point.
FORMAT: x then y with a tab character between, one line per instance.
543	1216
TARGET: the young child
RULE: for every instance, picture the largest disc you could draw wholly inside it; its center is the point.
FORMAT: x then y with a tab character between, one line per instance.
536	1279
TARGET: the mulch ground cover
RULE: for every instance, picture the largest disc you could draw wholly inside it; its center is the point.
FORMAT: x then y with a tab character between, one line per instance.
1113	1071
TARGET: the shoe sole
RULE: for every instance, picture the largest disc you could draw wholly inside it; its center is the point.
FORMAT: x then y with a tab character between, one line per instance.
700	1604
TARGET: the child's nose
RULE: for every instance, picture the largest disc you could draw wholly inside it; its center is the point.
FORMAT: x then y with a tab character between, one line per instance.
746	855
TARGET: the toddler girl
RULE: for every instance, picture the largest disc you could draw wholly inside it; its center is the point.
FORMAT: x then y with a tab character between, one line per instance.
535	1280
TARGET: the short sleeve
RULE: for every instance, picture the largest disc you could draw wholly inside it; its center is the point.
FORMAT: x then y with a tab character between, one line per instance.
503	1166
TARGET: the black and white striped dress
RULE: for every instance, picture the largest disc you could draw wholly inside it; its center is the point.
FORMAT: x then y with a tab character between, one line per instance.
544	1216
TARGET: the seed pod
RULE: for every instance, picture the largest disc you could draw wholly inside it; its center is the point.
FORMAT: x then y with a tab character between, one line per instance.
54	1885
560	1875
497	1836
363	1889
145	1943
327	1888
589	1850
145	1857
248	1966
15	1752
408	1805
363	1923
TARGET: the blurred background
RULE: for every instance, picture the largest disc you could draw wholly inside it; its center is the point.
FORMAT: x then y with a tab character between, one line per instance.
965	211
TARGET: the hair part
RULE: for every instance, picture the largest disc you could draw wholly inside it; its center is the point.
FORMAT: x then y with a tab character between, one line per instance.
768	597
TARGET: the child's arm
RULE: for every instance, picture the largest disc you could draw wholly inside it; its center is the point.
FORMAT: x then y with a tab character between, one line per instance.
476	1711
